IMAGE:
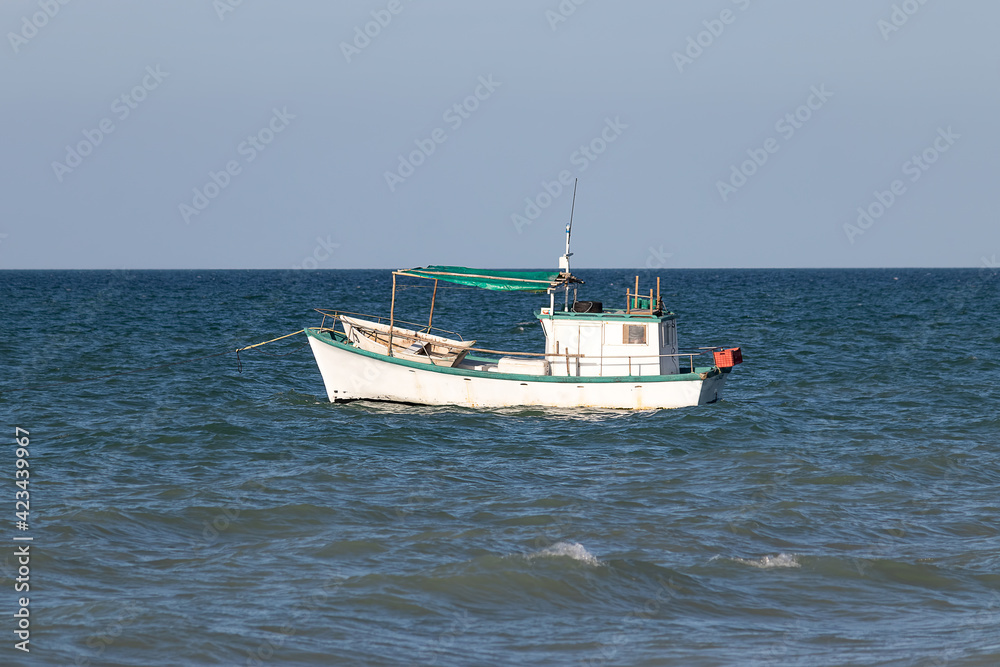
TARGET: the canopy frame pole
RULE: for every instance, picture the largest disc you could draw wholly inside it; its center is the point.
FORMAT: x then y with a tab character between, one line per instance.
392	311
433	296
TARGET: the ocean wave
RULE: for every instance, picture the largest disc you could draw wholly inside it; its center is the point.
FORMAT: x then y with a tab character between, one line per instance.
768	562
573	550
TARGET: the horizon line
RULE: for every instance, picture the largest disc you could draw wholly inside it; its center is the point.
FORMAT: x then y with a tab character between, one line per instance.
664	268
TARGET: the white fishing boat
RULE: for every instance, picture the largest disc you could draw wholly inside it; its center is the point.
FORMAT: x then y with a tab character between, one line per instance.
625	359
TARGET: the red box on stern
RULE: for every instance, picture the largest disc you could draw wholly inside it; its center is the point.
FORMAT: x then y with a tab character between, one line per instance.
728	358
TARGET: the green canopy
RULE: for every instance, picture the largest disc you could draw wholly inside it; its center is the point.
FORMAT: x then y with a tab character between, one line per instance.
519	281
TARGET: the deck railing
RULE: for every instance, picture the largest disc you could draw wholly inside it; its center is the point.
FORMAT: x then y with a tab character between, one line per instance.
639	359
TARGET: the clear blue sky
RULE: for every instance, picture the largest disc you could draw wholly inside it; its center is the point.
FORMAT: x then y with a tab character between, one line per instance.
114	113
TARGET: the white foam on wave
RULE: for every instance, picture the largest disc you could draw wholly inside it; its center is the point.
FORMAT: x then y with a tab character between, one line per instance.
767	562
573	550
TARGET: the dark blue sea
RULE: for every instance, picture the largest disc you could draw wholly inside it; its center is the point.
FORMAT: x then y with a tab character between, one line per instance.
839	506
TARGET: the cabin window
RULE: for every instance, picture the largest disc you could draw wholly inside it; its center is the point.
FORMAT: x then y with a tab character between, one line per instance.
634	334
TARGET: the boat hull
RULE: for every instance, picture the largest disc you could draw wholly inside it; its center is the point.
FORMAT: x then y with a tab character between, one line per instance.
351	374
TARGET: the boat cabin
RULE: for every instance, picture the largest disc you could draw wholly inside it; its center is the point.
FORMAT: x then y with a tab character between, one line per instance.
583	340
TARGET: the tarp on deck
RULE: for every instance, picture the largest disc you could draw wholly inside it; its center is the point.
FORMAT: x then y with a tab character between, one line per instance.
518	281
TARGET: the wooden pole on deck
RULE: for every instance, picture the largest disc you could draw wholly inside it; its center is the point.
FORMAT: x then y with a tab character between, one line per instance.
431	318
392	311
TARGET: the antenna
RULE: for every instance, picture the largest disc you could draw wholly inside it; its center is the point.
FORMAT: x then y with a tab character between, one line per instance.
564	260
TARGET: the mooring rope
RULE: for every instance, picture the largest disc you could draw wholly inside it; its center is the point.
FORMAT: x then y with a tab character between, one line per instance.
239	366
294	350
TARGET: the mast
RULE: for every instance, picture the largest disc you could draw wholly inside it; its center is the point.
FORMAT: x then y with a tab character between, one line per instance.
564	260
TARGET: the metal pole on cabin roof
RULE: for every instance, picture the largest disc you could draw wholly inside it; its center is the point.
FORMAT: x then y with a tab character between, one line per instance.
564	260
569	227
